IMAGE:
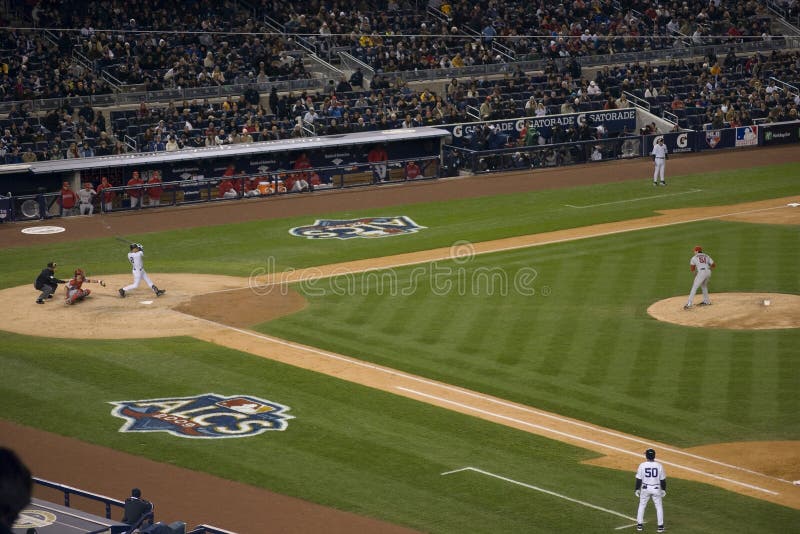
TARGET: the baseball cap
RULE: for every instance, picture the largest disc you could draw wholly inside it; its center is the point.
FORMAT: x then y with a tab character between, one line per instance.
52	264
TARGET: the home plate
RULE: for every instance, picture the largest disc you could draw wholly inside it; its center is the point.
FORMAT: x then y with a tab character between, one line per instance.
145	302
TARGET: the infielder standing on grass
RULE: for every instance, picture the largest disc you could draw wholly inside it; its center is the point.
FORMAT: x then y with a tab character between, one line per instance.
659	154
701	264
136	257
651	483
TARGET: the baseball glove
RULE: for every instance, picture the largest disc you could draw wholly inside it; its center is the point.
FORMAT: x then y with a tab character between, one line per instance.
102	283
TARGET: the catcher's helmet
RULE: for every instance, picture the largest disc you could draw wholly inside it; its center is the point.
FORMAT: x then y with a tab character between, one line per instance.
650	454
79	272
698	249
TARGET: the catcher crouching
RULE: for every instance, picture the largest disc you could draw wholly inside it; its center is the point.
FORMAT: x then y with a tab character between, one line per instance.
74	289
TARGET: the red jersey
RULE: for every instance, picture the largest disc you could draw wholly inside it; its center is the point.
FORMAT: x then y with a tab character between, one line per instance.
133	182
154	192
68	198
227	185
108	196
74	283
377	155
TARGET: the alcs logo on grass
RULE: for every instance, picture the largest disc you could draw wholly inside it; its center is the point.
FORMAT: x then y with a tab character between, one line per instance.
203	416
366	227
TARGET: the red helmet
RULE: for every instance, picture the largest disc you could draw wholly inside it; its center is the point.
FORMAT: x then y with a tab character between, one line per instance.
698	249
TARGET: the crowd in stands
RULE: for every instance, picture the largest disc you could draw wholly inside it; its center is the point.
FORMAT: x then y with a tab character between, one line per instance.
219	43
149	45
718	92
464	32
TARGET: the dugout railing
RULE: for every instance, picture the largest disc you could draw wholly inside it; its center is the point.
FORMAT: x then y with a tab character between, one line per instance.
201	189
515	156
454	160
111	503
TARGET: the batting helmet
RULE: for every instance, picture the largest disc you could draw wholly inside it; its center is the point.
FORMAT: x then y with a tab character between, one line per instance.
136	245
650	454
698	249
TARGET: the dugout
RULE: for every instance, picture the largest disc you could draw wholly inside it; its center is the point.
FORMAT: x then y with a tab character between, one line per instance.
334	152
192	175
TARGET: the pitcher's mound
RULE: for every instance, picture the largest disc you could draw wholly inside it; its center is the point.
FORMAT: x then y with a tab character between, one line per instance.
738	311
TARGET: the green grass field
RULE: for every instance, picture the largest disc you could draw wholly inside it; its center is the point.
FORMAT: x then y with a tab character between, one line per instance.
581	346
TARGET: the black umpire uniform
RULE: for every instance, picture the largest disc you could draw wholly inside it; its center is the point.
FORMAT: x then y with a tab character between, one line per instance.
47	282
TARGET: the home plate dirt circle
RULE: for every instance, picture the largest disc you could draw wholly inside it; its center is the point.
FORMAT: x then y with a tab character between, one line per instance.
735	311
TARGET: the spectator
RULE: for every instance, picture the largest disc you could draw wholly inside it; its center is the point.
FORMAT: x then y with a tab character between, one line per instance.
16	487
136	508
597	155
73	152
86	150
29	156
172	144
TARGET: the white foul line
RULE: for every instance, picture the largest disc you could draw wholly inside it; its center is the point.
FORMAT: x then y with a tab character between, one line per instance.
536	488
593	428
393	372
633	199
579	438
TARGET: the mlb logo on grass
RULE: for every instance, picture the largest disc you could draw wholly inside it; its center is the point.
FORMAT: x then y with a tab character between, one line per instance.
206	416
365	227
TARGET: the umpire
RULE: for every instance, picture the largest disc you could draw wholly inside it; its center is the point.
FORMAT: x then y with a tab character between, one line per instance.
47	282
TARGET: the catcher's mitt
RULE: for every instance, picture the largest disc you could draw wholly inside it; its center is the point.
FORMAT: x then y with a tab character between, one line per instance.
102	283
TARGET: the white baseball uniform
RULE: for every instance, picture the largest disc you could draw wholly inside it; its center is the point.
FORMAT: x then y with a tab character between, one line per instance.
701	263
137	263
651	473
660	154
85	197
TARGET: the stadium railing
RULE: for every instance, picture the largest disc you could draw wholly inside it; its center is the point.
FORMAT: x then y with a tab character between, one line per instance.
201	190
111	502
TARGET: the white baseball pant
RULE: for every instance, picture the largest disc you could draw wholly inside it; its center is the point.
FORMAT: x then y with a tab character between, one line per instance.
647	493
138	274
700	281
658	171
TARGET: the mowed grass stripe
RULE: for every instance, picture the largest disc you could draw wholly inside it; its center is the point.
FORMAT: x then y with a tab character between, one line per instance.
740	383
563	318
788	369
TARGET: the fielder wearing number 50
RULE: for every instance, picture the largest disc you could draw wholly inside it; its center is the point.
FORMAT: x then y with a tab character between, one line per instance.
651	483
